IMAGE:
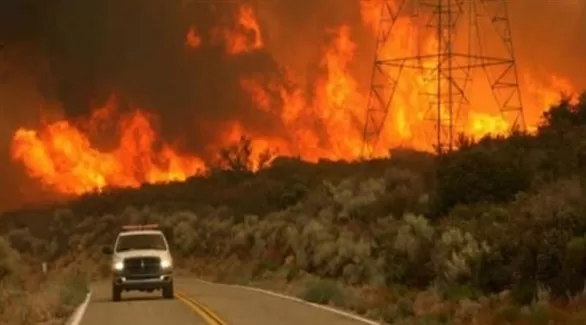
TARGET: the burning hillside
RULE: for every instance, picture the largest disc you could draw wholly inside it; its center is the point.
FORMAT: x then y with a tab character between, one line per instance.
151	92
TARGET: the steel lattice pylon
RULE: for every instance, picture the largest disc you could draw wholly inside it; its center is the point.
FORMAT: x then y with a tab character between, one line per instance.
460	48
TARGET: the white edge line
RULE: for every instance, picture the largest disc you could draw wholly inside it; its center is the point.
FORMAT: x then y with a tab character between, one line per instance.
282	296
80	310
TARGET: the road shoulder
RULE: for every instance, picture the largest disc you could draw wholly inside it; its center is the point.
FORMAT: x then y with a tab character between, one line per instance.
79	312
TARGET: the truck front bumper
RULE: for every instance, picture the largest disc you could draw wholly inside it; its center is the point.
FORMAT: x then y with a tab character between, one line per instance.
142	282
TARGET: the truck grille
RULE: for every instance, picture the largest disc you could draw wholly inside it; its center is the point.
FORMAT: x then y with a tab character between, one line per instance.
142	265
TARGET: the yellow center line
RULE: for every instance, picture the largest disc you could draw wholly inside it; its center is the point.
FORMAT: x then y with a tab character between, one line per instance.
200	309
197	310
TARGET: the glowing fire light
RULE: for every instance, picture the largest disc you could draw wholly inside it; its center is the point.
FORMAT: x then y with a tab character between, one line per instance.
62	157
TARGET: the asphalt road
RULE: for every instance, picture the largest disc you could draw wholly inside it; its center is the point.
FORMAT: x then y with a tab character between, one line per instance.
199	303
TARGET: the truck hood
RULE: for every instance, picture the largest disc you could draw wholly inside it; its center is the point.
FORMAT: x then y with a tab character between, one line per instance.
141	253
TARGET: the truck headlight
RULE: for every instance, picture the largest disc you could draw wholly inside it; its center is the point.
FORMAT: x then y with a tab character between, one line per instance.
165	264
118	266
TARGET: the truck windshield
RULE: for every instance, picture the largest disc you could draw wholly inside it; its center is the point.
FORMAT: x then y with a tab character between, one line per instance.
141	241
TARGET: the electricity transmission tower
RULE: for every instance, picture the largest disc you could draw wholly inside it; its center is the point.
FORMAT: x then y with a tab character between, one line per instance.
461	46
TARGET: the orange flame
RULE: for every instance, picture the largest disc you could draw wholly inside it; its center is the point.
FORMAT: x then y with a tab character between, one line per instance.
62	156
407	123
192	39
246	37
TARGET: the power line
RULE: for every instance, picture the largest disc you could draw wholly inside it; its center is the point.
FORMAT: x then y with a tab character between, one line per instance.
461	47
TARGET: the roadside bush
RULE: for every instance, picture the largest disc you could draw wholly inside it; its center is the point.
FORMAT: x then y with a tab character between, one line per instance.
184	232
323	292
549	219
405	193
457	256
27	299
23	241
409	259
492	171
352	197
9	260
73	289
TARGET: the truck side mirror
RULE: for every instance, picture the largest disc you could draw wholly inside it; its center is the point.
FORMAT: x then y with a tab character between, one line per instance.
107	250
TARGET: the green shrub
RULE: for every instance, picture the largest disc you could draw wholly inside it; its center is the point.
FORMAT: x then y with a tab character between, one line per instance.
74	289
292	273
323	292
459	292
507	315
576	254
405	192
487	172
457	255
540	315
410	258
549	220
524	291
184	233
353	199
9	260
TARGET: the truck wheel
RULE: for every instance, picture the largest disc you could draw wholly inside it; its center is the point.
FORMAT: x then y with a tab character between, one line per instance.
168	291
116	294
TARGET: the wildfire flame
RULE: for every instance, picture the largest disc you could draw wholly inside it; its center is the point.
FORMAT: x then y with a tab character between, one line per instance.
62	156
192	39
246	35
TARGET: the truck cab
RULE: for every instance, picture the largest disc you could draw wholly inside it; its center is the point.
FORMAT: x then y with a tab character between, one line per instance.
141	261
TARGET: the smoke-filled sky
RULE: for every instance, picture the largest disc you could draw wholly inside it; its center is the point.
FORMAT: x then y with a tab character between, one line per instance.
136	48
73	54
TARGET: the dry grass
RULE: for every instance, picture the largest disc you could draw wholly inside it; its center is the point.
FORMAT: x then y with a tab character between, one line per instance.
28	298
